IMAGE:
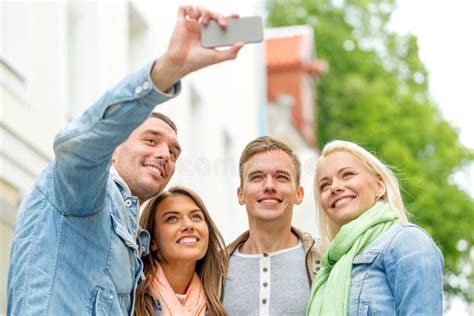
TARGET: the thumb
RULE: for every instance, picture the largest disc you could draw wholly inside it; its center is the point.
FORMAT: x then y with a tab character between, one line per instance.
232	52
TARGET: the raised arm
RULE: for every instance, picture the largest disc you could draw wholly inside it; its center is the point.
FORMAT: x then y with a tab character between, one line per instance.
84	148
185	53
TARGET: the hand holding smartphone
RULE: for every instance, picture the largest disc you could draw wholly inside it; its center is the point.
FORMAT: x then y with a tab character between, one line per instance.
240	30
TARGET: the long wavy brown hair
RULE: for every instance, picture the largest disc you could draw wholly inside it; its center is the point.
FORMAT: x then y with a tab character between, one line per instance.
211	269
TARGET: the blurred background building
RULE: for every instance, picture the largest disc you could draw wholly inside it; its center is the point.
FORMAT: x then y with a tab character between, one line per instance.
57	58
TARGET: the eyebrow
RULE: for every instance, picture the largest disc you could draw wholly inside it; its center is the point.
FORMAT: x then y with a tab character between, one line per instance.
154	132
338	171
277	172
284	172
171	212
160	134
254	172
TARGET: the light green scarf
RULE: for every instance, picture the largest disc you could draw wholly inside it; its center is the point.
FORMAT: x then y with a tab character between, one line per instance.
331	288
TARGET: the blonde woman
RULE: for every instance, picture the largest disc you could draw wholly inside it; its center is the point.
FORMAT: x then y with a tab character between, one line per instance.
186	266
376	262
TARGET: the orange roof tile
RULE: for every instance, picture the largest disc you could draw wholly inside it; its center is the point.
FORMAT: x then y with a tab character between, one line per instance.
284	52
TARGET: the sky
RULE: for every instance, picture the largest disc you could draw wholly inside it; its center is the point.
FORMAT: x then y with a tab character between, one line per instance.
445	32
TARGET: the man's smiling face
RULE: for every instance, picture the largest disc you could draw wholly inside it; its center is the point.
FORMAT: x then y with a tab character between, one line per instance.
269	186
146	160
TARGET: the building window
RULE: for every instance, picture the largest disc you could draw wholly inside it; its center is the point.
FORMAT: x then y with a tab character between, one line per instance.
196	130
138	38
15	30
82	68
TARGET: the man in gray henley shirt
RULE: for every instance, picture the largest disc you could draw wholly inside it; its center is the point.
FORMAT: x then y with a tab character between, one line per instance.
272	265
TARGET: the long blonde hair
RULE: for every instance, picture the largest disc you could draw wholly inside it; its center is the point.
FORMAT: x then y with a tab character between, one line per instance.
375	167
211	269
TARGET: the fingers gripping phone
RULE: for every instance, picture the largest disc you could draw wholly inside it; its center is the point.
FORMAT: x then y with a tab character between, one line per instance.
241	30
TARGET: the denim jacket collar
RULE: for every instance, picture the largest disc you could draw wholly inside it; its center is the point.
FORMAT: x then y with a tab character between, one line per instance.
121	184
143	237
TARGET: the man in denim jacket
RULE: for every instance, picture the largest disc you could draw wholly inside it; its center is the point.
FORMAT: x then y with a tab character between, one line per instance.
77	244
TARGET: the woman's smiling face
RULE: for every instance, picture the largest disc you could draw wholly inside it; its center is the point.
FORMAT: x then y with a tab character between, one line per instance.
346	188
181	233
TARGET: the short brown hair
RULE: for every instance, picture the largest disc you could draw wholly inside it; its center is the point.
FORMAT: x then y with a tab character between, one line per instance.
165	119
265	144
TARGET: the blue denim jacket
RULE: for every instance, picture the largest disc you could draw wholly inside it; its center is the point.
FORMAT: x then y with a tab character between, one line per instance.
77	245
400	273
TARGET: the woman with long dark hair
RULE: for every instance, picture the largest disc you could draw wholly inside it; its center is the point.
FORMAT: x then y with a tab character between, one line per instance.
186	266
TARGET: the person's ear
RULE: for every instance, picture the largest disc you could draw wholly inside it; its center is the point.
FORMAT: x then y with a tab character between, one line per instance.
240	196
381	190
153	246
115	153
299	195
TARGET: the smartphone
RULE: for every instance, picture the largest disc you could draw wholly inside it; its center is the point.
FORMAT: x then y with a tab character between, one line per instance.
241	30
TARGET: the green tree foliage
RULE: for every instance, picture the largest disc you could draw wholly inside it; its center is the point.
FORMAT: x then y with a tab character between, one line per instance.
376	94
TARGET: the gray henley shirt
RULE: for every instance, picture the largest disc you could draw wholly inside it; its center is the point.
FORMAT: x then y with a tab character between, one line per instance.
267	284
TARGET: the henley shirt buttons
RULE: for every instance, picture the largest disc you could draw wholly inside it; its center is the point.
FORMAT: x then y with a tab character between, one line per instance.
138	90
128	203
317	262
265	284
265	269
317	268
265	254
145	85
264	301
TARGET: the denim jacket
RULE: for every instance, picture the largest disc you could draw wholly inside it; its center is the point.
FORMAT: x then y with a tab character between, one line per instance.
77	244
400	273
